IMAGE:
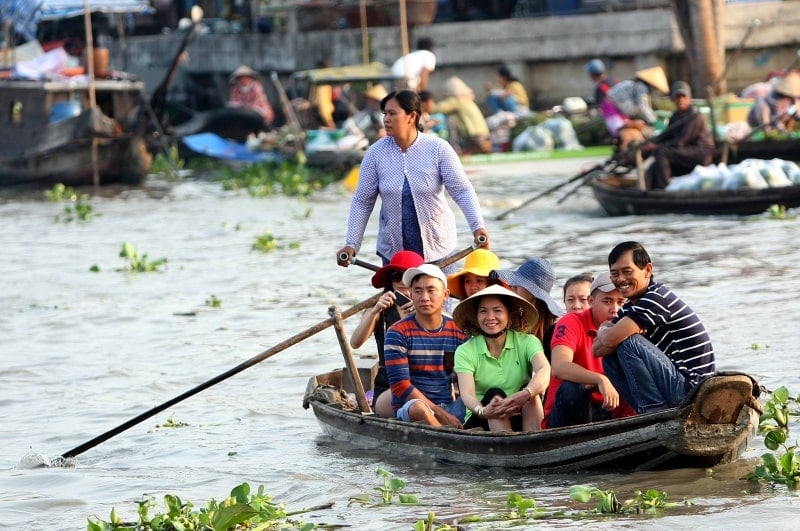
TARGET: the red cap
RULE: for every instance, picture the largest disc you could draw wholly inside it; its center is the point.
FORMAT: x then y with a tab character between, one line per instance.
401	261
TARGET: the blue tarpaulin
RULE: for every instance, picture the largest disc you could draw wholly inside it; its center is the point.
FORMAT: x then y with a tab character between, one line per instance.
25	14
54	9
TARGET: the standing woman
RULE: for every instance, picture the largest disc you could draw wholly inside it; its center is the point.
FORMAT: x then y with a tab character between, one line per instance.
502	371
389	309
410	171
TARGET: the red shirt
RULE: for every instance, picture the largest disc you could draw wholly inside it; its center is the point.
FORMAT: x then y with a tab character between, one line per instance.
573	331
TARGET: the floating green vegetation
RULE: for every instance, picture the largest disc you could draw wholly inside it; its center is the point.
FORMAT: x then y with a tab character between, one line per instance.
389	490
59	192
241	510
172	423
136	263
79	212
266	243
782	464
271	178
167	164
213	302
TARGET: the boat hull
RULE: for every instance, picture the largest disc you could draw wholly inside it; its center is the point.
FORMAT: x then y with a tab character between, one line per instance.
626	201
672	438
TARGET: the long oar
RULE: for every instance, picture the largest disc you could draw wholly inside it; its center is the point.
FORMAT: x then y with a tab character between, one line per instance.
550	190
224	376
588	177
447	260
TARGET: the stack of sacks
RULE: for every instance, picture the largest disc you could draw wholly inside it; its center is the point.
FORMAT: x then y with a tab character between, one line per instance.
750	173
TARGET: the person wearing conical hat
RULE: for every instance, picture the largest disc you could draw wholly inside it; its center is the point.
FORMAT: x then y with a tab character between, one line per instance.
631	117
369	120
468	130
502	372
778	111
247	91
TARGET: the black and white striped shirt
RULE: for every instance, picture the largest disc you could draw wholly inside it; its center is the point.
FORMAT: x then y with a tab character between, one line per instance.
673	327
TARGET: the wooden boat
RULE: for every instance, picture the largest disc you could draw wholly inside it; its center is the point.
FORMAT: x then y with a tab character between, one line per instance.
713	427
619	196
69	130
785	149
48	135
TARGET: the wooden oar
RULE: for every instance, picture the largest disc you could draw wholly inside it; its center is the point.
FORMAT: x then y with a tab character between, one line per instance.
442	262
588	177
550	190
224	376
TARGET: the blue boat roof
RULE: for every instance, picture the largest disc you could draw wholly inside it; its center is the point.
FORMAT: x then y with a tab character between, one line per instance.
26	14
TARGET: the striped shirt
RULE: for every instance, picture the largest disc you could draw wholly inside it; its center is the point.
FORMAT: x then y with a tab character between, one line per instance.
431	166
674	329
422	360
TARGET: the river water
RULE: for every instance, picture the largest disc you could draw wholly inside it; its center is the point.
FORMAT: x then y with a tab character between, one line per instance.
84	351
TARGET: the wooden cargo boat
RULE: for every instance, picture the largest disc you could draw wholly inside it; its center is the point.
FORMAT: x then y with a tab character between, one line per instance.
619	196
47	134
713	427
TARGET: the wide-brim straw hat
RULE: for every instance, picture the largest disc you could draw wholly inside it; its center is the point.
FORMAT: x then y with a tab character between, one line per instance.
655	77
455	86
400	262
789	85
376	92
243	71
480	262
537	276
522	315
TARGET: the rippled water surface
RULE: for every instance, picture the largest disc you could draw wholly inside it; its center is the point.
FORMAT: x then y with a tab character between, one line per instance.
83	352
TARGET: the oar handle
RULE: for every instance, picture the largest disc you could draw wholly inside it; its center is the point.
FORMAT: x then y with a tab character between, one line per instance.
344	257
481	240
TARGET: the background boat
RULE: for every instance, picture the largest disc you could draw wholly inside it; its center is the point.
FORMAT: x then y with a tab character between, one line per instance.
619	196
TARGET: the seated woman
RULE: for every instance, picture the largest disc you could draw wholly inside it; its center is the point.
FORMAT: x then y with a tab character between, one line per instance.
533	281
777	111
393	305
475	275
502	372
247	91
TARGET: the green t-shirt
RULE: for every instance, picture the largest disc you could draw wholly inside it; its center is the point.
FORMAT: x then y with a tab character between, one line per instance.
510	371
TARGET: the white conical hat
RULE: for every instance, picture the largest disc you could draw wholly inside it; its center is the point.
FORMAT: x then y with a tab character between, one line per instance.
655	77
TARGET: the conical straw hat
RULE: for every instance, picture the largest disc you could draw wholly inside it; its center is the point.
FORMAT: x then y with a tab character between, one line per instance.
789	85
655	77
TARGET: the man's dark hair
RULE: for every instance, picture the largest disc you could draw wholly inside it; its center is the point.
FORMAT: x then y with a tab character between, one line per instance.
638	254
425	43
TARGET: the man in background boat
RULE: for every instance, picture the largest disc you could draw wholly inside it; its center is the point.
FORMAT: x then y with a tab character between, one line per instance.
579	392
684	144
415	68
657	349
419	351
778	111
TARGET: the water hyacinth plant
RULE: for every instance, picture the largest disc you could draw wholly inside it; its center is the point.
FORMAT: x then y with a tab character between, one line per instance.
136	263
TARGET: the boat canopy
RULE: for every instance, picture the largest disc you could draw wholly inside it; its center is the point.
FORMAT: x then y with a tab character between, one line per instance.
342	74
24	15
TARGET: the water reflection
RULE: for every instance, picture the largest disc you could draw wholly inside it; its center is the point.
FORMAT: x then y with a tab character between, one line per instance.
83	352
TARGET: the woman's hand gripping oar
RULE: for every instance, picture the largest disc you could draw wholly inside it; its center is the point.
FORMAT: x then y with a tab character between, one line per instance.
480	241
224	376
